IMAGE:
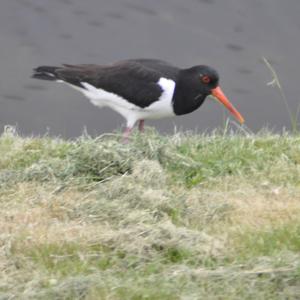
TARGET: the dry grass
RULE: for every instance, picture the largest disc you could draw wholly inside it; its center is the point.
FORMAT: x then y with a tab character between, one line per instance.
182	217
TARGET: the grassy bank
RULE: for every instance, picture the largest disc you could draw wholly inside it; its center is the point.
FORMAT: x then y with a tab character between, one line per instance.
166	217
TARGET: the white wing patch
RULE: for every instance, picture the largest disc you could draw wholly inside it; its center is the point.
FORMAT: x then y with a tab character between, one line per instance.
132	113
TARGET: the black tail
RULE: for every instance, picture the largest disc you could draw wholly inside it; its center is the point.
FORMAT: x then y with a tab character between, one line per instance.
46	73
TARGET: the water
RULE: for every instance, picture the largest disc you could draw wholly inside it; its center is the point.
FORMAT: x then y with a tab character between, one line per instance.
231	36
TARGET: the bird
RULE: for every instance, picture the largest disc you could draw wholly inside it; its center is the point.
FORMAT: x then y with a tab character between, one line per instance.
141	89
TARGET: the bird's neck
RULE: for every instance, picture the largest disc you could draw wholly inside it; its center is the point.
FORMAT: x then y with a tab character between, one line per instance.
187	97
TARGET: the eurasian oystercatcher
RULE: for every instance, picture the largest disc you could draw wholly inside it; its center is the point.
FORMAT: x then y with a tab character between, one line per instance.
140	89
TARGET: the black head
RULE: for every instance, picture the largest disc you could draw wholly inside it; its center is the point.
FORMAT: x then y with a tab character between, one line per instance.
203	77
194	85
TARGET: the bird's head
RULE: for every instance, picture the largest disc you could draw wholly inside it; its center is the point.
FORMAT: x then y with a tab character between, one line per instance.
207	81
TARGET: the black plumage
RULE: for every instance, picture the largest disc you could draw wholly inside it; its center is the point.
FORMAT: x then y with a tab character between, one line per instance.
133	80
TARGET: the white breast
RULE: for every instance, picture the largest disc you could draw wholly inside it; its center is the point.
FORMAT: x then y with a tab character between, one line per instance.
163	107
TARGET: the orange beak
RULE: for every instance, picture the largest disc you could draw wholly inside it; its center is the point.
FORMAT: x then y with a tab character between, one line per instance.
219	95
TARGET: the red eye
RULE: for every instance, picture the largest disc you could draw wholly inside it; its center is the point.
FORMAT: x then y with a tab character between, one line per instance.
205	79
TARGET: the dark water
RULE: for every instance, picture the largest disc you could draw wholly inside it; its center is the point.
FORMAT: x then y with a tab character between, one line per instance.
231	36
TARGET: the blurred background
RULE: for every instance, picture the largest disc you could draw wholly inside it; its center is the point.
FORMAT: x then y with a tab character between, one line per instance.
231	36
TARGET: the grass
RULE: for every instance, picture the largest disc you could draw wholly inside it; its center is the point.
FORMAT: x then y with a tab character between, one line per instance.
211	216
275	82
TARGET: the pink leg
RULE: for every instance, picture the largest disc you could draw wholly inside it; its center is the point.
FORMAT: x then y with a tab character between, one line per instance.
141	125
126	134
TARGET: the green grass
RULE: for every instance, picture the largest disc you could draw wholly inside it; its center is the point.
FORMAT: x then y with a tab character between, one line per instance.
211	216
271	241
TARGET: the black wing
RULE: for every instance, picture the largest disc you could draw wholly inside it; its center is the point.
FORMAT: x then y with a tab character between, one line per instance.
134	80
164	68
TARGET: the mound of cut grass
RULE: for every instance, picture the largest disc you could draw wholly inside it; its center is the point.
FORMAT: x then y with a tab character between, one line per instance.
212	216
